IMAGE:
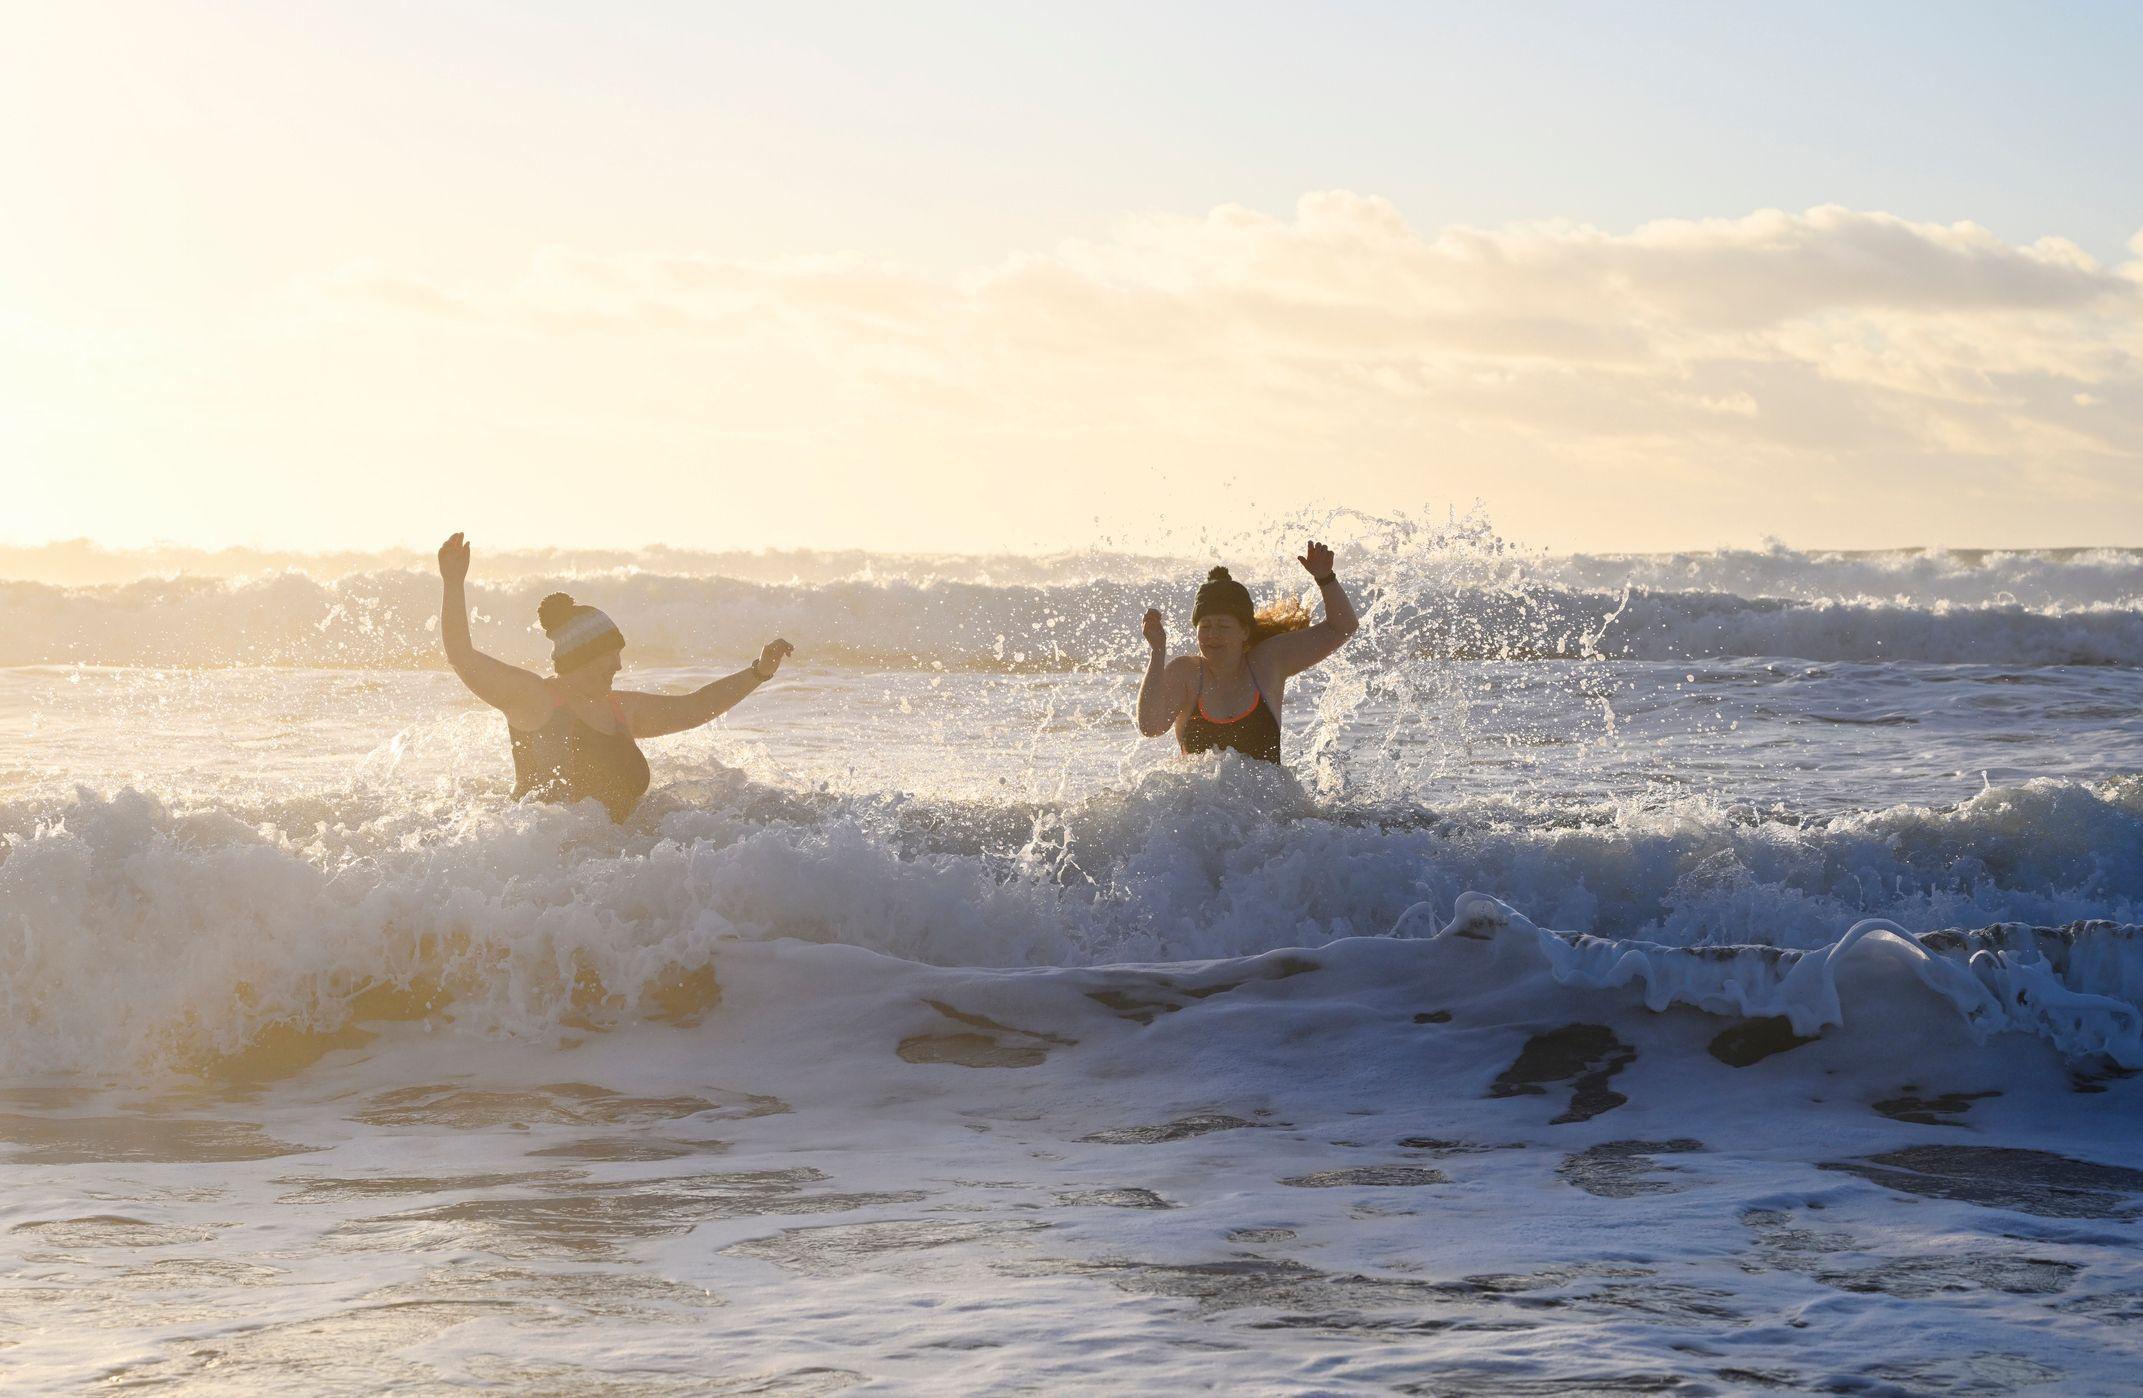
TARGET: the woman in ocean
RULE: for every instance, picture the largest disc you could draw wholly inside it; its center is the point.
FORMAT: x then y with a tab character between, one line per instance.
1227	696
575	737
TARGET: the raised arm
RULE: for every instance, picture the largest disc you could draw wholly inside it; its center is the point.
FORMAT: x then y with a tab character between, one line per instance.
1293	652
653	715
1161	692
509	688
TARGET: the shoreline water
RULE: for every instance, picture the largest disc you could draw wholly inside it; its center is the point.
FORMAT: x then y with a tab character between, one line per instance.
1377	1163
921	988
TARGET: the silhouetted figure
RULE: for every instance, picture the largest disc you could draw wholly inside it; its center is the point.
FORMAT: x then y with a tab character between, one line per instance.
1227	696
574	737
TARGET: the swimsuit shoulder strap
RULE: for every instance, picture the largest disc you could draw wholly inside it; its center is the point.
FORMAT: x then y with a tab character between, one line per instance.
617	713
1257	697
1256	690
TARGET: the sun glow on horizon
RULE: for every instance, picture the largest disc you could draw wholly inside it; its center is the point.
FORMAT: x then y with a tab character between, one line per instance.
302	279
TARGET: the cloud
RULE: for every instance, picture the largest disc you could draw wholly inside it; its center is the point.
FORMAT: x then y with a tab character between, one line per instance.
1859	297
365	282
1831	340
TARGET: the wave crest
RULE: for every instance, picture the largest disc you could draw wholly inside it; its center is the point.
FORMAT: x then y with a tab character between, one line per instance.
137	932
390	620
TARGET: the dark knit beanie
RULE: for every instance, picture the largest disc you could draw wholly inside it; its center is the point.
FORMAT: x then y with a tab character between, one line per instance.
1224	596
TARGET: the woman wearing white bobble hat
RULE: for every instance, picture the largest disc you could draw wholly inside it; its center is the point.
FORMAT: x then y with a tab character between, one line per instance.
573	735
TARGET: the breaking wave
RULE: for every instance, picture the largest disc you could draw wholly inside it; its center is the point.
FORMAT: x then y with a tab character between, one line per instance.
389	620
138	931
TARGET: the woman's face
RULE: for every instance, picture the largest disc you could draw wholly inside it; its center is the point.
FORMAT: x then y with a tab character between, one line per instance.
1220	637
597	673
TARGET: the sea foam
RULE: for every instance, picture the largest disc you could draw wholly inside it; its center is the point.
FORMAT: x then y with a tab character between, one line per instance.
139	932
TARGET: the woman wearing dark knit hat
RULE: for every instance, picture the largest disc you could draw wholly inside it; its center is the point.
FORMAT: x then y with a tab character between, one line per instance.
1227	696
573	735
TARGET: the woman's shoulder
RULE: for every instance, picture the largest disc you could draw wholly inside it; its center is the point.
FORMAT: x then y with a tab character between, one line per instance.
1180	677
539	714
1262	660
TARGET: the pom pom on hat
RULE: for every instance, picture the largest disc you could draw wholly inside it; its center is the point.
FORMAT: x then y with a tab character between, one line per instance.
1224	596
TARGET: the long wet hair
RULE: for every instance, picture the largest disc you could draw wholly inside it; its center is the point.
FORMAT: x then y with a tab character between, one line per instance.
1224	596
1277	618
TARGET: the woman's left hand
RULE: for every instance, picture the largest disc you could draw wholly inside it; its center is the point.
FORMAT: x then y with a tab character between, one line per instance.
771	657
1316	560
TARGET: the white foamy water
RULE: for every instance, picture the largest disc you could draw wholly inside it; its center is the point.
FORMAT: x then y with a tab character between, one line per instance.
926	1028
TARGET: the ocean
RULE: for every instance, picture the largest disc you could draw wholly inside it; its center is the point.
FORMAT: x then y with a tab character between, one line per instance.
1689	973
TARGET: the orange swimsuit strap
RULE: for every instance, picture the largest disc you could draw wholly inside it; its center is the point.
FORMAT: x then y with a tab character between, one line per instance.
617	706
1257	697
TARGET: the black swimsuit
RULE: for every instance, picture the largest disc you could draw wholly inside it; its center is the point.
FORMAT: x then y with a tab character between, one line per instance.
1254	732
569	759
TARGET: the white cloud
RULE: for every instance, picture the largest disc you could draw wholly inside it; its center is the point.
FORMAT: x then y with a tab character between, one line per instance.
1345	294
1740	371
366	282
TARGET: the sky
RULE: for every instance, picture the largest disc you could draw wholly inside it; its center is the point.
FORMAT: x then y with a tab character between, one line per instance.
988	277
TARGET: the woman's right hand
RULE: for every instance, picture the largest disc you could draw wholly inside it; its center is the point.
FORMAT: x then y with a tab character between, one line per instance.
770	657
1156	630
454	559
